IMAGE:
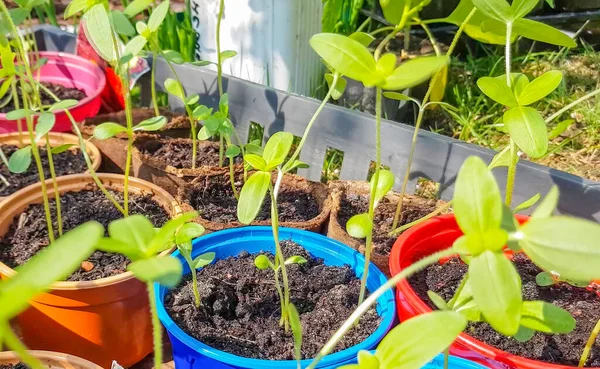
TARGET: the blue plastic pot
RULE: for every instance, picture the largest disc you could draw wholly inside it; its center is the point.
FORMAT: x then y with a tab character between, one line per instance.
189	353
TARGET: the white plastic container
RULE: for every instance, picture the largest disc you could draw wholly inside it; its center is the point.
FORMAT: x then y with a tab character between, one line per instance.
271	38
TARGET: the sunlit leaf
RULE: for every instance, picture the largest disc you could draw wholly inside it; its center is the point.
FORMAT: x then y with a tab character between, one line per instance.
414	72
277	149
528	203
393	10
99	32
122	25
44	124
77	6
497	90
158	15
296	259
560	128
521	8
496	9
252	196
255	161
19	114
174	88
227	54
296	326
340	86
548	205
262	262
20	160
501	159
386	65
528	129
63	104
166	271
134	46
545	279
540	87
108	130
545	317
136	7
202	112
539	31
524	334
188	232
173	56
363	38
151	124
62	148
203	260
437	300
232	151
384	184
359	226
165	237
134	230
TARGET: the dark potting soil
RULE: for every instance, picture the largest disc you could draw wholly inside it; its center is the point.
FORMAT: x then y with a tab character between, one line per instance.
68	162
563	349
216	203
28	234
14	366
178	153
352	204
62	92
240	308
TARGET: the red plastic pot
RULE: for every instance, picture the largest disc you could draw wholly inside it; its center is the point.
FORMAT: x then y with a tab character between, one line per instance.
71	71
423	240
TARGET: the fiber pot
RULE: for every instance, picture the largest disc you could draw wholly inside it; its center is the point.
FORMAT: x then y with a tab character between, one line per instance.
103	320
189	353
159	172
290	182
336	230
114	150
71	71
52	360
56	139
425	239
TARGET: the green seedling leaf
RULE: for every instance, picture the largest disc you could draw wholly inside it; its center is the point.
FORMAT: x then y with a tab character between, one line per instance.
20	160
476	243
359	226
173	56
63	105
189	232
115	246
414	72
397	96
340	86
545	279
464	304
519	81
477	201
386	65
540	87
384	185
224	104
255	161
551	3
174	88
548	205
227	54
165	237
122	25
158	15
191	100
573	254
19	114
510	225
296	326
521	8
560	128
438	300
496	9
528	203
135	46
497	90
473	27
545	317
524	334
262	262
108	130
204	134
298	164
55	262
345	55
496	287
5	86
201	63
134	230
99	32
252	196
363	38
151	124
143	30
232	151
125	59
18	15
528	129
277	149
501	159
296	259
136	7
44	125
166	271
539	31
202	112
418	340
77	6
393	10
203	260
62	148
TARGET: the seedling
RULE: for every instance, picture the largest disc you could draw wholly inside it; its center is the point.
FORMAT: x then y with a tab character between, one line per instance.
136	238
183	240
547	279
54	263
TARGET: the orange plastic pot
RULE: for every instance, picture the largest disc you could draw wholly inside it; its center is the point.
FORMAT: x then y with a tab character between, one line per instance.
103	320
52	360
56	139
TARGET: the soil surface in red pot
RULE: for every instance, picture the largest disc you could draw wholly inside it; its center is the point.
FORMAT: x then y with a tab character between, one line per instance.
68	162
62	92
562	349
178	153
216	202
28	233
240	307
352	204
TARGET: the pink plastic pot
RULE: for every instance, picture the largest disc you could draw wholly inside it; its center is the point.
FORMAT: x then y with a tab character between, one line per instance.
423	240
68	70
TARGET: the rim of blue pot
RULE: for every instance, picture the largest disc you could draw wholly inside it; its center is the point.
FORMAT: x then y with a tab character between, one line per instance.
220	238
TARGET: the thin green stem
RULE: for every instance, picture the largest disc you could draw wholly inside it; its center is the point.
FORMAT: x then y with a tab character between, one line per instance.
364	24
382	29
153	87
219	59
54	186
375	180
274	190
512	172
571	105
589	345
279	292
431	36
446	358
14	344
156	327
407	37
508	51
232	173
434	213
15	98
129	120
372	299
243	151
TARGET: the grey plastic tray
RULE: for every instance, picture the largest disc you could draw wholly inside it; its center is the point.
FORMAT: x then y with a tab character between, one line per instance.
437	157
